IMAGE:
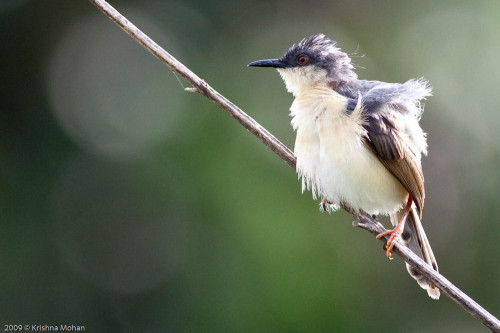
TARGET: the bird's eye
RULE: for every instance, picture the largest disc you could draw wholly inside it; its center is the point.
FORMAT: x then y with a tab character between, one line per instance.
302	59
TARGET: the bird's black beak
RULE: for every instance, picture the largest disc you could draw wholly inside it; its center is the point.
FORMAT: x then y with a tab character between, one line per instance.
275	63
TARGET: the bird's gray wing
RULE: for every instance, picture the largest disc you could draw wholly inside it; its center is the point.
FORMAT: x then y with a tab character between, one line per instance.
392	111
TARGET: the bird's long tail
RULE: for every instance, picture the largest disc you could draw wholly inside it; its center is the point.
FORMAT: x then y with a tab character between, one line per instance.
414	238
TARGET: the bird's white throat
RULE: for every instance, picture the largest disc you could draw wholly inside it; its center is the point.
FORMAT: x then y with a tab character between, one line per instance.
298	79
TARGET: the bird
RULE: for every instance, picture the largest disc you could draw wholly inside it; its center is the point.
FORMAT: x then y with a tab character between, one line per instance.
358	142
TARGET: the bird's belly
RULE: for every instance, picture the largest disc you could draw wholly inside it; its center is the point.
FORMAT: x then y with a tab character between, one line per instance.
335	164
356	177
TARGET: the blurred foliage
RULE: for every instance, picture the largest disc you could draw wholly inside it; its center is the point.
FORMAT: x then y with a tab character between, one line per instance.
128	204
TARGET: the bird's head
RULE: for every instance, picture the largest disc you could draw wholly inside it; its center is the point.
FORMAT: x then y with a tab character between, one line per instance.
314	61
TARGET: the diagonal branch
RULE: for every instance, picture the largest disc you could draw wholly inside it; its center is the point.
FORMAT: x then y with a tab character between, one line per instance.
363	221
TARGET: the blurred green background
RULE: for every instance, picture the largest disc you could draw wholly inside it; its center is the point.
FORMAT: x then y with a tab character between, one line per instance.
128	204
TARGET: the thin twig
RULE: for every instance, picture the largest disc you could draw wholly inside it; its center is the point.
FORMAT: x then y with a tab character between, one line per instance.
363	221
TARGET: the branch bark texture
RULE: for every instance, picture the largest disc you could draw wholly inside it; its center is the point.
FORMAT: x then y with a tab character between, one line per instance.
363	221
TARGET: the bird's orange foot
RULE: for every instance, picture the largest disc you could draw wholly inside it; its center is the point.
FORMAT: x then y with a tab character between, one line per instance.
395	235
396	232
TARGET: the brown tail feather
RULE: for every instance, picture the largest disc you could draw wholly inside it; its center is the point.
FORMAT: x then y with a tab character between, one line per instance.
414	238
